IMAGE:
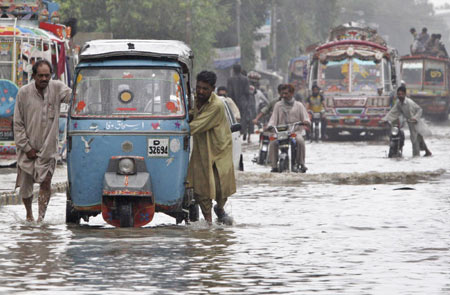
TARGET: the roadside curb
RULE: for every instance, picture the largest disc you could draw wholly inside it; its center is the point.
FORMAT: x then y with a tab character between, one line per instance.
12	198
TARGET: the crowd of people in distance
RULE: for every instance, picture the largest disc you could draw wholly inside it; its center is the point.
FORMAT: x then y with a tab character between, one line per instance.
423	43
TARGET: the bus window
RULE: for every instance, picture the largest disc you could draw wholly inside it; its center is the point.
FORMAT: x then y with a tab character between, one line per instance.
6	61
412	73
434	74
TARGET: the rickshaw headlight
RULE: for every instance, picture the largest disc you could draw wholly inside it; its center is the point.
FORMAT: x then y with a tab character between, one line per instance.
127	166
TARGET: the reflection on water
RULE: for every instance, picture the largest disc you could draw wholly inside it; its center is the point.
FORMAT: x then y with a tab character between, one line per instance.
321	239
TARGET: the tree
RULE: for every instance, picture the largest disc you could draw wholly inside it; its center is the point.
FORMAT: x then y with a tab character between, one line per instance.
155	19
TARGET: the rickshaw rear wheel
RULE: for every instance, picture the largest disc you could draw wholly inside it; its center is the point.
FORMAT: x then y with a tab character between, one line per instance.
72	215
126	214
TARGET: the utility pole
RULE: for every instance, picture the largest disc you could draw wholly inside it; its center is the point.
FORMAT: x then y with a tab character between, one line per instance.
238	22
188	22
273	22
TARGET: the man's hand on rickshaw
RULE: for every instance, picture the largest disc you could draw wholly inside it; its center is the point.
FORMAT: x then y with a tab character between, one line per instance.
255	121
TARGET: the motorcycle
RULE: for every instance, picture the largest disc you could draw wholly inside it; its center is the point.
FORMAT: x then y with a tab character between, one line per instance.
396	141
316	125
264	141
285	135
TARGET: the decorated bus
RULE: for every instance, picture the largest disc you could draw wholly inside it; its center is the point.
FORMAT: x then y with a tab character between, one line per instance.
29	31
427	80
356	71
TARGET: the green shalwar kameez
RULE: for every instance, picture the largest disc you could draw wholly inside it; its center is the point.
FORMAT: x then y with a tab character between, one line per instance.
211	171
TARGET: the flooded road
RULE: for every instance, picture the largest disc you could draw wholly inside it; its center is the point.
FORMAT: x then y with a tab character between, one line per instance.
316	236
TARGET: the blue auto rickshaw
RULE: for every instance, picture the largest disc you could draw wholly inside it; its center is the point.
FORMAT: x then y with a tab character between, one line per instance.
128	133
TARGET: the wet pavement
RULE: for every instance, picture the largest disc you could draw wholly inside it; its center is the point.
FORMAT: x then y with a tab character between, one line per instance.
356	223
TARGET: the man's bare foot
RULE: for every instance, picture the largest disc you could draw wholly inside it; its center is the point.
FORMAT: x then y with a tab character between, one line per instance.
428	154
30	218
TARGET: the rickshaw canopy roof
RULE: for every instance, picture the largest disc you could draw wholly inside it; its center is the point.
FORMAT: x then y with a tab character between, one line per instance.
159	49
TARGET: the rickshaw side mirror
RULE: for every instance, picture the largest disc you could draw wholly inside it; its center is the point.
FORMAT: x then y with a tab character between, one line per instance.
236	127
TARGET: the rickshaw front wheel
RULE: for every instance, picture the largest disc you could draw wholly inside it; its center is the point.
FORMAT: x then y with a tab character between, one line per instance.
126	214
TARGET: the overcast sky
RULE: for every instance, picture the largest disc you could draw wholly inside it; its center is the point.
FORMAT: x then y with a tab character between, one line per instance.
439	2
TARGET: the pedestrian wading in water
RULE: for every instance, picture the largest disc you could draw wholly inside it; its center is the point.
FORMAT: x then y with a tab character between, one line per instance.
36	128
211	171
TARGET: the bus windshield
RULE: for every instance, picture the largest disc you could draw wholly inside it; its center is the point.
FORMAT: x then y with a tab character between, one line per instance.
333	76
434	74
412	73
366	76
128	92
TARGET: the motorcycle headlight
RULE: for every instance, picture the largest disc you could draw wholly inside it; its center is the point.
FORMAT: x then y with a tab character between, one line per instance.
127	166
394	131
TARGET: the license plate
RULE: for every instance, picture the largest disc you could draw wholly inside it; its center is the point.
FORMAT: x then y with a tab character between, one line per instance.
349	121
158	147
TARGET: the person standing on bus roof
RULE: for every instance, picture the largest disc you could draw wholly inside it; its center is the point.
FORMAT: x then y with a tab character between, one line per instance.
36	128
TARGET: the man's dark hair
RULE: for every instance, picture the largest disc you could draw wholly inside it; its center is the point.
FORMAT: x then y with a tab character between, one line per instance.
401	88
438	36
288	87
222	88
412	30
315	86
279	88
237	69
207	77
39	63
424	30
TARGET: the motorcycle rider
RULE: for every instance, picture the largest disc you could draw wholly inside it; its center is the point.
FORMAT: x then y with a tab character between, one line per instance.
412	113
268	109
315	103
288	111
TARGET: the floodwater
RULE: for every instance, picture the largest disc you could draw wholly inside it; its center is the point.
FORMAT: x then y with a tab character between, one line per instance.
315	236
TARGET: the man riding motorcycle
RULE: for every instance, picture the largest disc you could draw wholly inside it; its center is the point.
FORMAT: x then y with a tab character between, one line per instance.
289	111
315	103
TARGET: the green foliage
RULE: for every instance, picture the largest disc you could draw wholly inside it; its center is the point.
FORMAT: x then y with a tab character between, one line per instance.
301	23
155	19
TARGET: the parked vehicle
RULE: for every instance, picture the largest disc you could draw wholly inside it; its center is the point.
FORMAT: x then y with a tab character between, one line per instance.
128	133
427	79
285	135
356	71
28	32
238	159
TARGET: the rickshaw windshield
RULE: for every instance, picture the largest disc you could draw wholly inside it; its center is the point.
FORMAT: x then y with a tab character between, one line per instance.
126	92
412	73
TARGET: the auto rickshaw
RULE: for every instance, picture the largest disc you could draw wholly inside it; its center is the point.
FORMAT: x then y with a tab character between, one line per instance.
128	133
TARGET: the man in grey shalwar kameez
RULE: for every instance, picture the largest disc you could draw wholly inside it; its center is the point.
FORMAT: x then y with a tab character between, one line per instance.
36	128
412	113
289	111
